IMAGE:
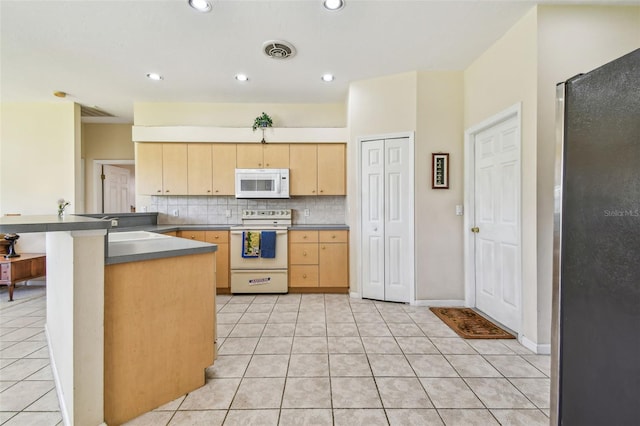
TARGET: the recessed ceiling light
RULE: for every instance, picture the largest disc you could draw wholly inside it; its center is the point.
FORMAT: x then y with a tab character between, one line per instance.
333	4
327	77
200	5
154	76
242	77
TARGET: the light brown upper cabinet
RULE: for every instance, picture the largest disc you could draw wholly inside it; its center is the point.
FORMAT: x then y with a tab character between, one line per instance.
174	168
161	168
211	168
331	169
223	160
303	169
149	168
262	156
199	173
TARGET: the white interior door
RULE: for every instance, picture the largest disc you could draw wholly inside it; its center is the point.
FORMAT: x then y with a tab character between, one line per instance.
116	189
387	219
497	222
373	201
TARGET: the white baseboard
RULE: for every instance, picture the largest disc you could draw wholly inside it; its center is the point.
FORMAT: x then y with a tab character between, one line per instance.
354	295
56	379
542	349
439	303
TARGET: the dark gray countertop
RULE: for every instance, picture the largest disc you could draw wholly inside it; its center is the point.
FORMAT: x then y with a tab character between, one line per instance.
155	248
50	223
171	228
321	227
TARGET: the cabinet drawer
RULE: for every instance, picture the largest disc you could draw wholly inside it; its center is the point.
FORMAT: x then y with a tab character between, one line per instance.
193	235
303	254
216	237
303	236
5	272
333	236
303	276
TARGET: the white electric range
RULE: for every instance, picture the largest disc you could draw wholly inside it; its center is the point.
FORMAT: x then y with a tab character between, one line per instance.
253	268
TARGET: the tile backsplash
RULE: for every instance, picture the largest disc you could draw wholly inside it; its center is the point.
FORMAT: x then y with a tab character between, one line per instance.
209	210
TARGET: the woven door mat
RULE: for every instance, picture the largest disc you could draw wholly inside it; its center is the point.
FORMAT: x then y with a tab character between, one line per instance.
470	325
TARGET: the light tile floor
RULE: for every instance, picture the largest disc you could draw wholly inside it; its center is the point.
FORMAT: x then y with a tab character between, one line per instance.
312	360
27	391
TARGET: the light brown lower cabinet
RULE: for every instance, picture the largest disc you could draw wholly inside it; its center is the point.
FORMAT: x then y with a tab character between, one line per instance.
318	259
221	238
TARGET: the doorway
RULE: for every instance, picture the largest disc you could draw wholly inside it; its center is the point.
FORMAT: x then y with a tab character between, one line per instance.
114	186
387	218
493	228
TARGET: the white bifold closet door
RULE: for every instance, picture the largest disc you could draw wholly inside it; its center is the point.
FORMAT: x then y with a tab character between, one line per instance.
387	221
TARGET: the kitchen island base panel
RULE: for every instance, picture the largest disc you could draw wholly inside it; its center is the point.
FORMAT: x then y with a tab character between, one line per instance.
159	332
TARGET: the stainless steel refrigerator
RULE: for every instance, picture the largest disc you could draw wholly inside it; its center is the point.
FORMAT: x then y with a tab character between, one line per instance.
596	294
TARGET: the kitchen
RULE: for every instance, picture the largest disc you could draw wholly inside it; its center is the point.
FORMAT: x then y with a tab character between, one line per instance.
294	174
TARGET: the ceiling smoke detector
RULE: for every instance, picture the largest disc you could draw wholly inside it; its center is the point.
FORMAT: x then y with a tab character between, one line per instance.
278	49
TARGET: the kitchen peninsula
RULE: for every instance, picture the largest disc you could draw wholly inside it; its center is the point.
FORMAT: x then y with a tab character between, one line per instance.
101	374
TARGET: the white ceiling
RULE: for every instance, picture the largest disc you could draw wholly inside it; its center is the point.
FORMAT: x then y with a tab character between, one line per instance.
99	51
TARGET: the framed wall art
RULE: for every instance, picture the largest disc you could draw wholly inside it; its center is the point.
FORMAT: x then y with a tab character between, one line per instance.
440	171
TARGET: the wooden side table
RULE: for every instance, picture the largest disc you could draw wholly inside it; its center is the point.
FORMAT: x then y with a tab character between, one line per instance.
26	267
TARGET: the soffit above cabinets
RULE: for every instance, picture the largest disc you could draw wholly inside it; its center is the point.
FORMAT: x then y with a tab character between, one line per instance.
238	135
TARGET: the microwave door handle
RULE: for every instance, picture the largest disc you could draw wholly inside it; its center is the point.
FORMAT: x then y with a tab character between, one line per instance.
278	184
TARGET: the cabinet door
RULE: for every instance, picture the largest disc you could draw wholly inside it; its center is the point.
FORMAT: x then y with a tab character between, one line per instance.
223	159
249	156
149	168
331	169
275	156
174	168
199	173
221	238
333	265
303	169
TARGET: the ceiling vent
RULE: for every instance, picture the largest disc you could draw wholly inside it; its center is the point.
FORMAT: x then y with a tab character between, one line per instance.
86	111
278	49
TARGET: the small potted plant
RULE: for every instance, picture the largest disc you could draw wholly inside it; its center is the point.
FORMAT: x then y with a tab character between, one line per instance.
262	122
62	204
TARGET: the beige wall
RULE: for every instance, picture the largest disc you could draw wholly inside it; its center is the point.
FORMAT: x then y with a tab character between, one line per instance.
439	238
571	40
376	107
39	161
103	142
431	105
506	74
548	45
238	115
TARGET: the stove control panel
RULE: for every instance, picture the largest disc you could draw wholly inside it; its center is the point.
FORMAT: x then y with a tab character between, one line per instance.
284	214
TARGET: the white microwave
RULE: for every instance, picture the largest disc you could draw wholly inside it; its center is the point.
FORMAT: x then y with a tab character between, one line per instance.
262	183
